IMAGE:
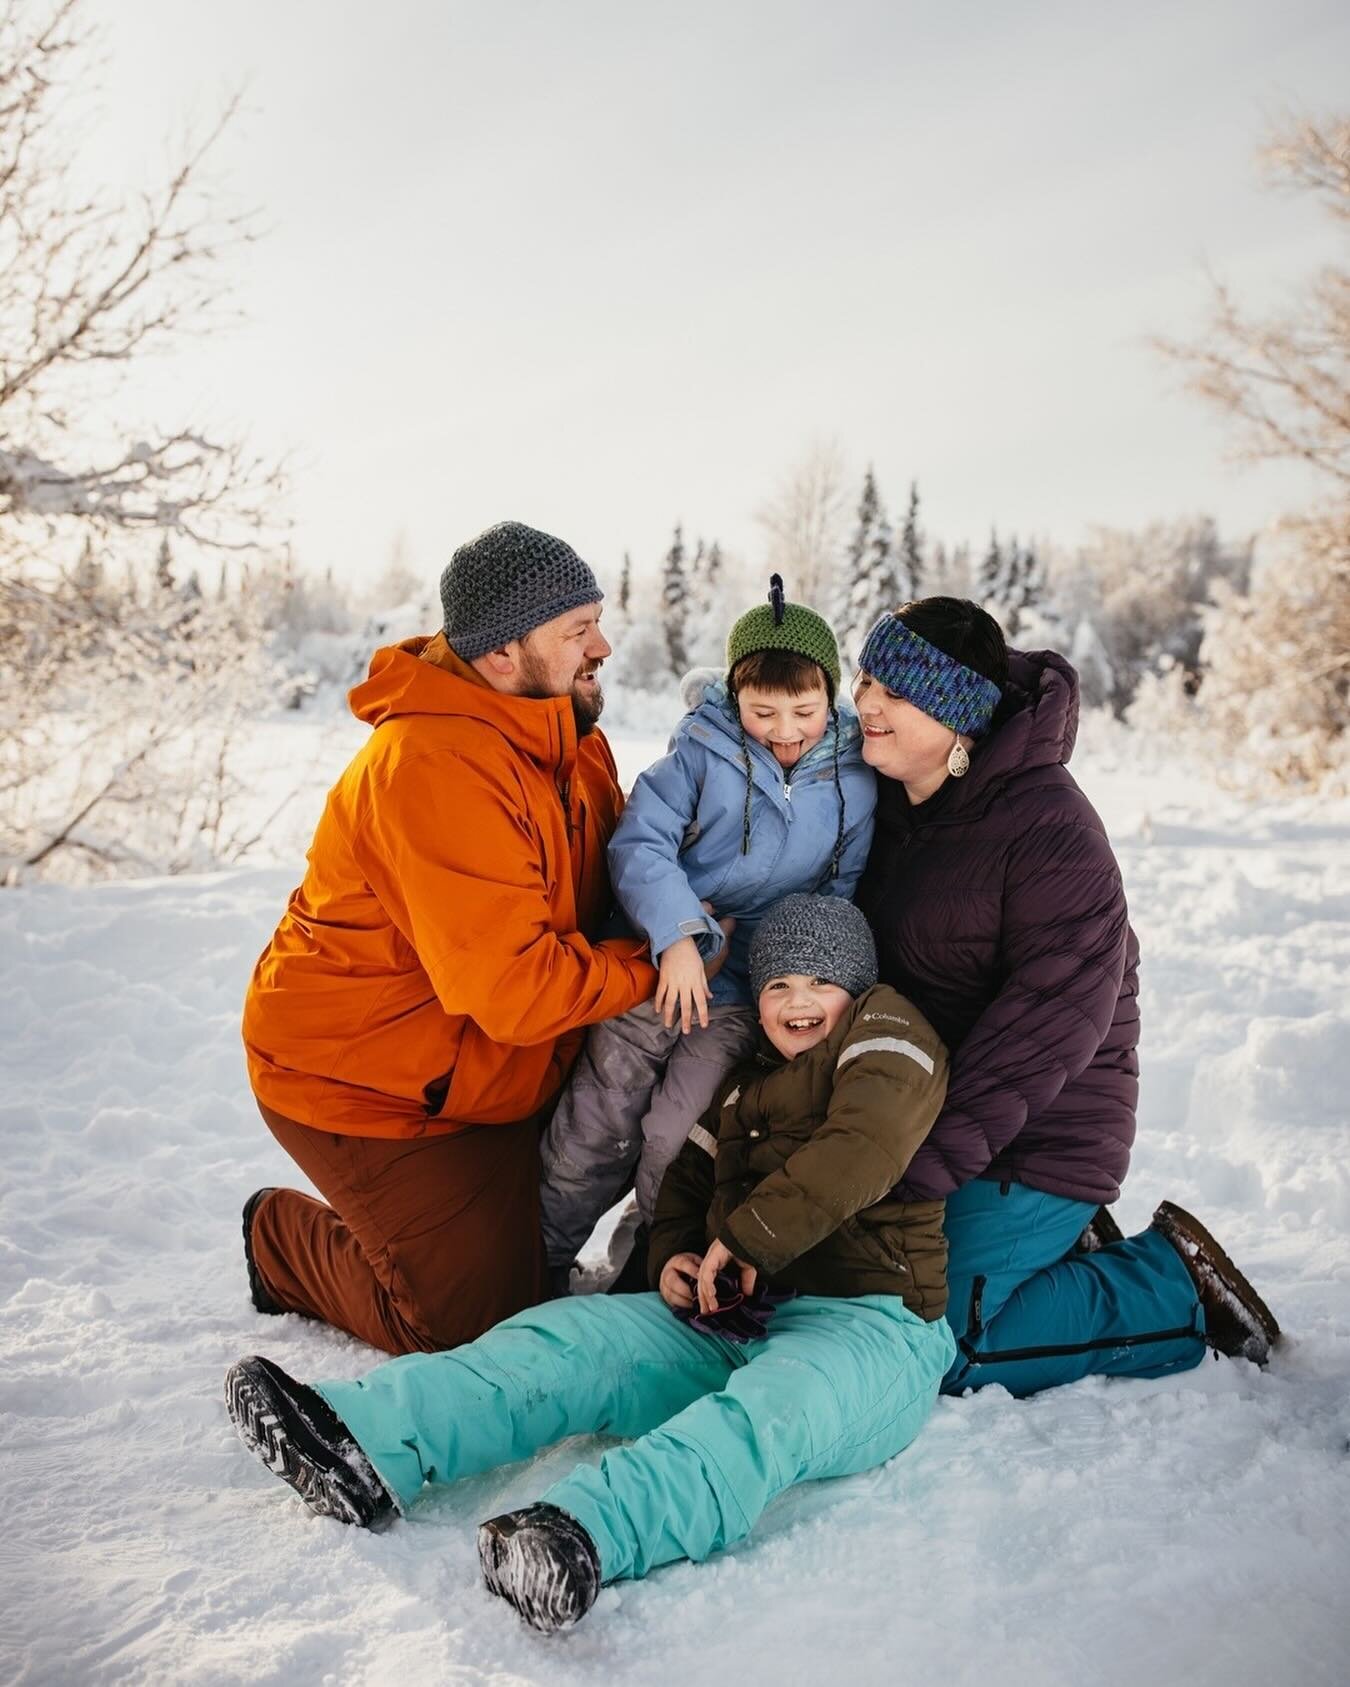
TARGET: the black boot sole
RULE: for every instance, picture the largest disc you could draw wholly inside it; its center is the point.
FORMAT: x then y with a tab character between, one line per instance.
332	1483
521	1565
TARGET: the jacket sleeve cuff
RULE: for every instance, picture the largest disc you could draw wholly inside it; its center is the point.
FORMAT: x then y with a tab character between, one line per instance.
704	930
729	1239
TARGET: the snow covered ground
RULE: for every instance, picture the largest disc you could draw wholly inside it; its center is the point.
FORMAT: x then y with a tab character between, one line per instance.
1191	1530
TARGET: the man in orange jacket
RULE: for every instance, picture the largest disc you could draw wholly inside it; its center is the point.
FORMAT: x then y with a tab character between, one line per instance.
410	1023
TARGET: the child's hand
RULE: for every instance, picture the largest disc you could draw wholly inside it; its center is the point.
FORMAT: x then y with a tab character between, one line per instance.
677	1277
718	1258
683	985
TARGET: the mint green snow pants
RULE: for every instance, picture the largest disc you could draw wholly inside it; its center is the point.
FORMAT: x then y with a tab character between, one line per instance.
717	1430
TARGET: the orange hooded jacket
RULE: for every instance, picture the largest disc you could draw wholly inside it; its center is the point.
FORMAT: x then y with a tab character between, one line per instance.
432	971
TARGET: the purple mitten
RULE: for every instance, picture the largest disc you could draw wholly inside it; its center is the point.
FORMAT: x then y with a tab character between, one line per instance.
739	1318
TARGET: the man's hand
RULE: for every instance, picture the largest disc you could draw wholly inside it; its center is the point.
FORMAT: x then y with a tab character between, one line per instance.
677	1276
683	985
718	1258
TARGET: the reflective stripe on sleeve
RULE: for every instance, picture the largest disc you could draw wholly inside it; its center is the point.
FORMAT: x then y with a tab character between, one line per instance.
888	1045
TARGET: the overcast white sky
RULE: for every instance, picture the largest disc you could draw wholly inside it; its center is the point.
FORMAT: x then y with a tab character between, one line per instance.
605	264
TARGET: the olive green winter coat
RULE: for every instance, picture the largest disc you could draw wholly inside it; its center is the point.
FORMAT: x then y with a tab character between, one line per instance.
793	1165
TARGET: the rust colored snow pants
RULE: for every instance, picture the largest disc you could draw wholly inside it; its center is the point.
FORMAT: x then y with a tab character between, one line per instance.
424	1244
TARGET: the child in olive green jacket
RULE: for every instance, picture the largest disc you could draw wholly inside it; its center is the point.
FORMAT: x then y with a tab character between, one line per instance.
782	1190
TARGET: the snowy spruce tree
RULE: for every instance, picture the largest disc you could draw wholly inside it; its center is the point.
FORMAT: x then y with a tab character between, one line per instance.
1013	595
164	578
1010	582
911	548
675	604
848	598
710	609
878	581
993	575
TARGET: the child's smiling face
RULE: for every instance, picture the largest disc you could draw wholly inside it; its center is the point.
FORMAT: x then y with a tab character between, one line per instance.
798	1011
788	724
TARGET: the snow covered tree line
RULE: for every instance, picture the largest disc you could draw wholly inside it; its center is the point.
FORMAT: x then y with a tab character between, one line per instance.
1123	604
665	621
882	569
844	556
851	576
150	613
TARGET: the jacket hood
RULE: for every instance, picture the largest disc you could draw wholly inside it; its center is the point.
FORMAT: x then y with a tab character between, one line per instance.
1037	721
423	676
698	683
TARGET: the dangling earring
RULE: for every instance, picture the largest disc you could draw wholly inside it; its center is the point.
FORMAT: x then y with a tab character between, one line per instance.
958	762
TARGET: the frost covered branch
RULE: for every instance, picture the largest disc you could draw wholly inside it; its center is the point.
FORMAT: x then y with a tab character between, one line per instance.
1286	381
88	286
1275	677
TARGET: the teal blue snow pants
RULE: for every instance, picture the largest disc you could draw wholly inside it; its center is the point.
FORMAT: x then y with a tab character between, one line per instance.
717	1430
1030	1313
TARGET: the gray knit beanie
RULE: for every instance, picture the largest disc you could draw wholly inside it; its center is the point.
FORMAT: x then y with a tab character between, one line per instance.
822	936
508	581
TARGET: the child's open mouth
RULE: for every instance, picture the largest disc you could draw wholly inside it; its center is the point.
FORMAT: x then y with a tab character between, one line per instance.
800	1026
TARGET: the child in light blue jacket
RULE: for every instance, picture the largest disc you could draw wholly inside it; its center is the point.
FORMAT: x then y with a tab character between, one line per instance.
763	793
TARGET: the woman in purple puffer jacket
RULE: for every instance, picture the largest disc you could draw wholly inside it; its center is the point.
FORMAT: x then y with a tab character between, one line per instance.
997	905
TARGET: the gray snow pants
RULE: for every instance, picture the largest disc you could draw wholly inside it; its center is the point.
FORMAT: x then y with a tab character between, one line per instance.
633	1097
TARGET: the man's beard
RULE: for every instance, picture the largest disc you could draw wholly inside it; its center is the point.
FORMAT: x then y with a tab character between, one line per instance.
586	706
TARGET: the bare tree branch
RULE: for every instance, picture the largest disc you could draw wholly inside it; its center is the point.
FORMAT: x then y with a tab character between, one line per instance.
1276	677
1285	382
90	285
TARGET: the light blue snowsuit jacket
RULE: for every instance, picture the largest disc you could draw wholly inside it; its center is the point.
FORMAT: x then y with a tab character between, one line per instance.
678	841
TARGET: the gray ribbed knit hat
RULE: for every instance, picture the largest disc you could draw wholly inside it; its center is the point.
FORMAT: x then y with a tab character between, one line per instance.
506	582
822	936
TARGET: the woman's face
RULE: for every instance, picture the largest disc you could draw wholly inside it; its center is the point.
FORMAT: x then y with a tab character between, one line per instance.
900	741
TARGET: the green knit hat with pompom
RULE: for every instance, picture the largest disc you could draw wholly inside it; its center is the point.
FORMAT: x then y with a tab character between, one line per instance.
779	625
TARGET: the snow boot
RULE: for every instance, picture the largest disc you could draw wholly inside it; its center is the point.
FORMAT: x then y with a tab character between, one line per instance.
262	1301
1237	1321
1101	1231
301	1439
543	1562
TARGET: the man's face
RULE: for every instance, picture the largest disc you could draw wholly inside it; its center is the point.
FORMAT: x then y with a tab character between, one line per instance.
562	659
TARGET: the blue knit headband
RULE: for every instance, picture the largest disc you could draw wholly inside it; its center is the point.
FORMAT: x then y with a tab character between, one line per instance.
953	694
